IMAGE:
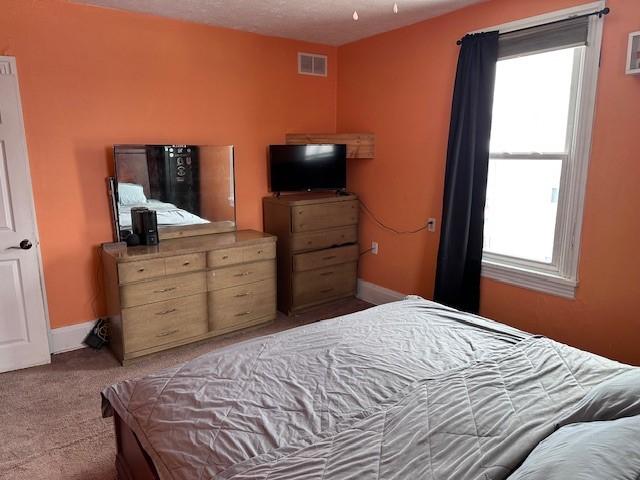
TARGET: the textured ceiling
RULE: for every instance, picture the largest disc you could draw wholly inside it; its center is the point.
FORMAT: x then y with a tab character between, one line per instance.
321	21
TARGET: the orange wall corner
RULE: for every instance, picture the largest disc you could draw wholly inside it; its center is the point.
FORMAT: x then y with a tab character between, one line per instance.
92	77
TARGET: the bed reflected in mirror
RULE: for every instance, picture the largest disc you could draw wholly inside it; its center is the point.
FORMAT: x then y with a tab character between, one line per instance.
190	187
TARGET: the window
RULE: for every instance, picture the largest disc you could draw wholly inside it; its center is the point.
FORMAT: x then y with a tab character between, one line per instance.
530	141
540	138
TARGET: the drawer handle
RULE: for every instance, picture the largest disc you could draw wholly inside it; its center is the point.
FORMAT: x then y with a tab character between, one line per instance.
330	257
164	290
186	263
141	270
242	274
326	290
224	257
246	294
260	251
324	274
242	314
167	333
166	312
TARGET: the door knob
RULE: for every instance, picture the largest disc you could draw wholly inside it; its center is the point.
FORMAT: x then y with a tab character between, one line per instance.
24	245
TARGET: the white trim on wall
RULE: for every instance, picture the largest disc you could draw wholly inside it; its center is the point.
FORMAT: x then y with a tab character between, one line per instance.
375	294
65	339
538	281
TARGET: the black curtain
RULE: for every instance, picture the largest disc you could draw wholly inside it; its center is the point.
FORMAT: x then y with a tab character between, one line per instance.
465	188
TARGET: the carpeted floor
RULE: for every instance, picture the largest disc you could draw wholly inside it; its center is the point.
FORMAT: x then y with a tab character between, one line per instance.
50	423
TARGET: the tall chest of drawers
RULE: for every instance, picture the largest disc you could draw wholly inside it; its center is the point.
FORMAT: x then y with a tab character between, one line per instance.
187	289
317	247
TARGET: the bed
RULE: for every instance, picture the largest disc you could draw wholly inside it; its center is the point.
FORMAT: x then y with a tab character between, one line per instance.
167	214
410	389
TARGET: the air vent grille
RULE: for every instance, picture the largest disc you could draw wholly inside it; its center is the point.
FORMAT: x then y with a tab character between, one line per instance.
312	64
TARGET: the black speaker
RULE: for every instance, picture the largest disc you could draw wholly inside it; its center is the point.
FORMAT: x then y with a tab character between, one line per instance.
145	225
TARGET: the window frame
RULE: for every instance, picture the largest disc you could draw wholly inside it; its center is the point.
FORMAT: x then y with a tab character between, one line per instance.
561	276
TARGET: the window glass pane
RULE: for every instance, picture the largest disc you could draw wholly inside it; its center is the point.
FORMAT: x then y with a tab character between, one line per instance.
522	201
531	103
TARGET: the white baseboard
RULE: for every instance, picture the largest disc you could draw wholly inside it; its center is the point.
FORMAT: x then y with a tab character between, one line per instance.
65	339
372	293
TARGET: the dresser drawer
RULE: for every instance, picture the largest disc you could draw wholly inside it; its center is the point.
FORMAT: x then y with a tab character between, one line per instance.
240	274
134	271
325	258
317	286
145	269
263	251
224	257
184	263
231	256
307	218
148	326
243	304
165	288
324	239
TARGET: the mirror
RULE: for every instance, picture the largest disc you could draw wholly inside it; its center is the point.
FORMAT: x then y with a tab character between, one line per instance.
190	187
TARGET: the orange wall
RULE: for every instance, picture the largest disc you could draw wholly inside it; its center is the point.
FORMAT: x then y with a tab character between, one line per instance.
399	86
92	77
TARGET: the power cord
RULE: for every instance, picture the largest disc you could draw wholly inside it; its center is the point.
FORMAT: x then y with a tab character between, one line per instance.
386	227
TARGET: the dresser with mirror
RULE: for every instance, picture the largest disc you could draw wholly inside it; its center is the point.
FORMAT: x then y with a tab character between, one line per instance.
204	278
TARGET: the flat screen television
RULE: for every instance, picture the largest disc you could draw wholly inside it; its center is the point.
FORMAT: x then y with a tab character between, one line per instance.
307	167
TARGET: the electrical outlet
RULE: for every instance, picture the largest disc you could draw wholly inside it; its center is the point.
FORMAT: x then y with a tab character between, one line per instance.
431	225
374	248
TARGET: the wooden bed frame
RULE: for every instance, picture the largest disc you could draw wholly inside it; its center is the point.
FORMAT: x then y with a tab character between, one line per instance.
132	462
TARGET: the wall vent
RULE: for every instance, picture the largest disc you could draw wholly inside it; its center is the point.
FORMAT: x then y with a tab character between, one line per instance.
312	64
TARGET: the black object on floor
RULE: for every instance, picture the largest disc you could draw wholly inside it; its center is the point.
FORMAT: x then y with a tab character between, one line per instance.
99	335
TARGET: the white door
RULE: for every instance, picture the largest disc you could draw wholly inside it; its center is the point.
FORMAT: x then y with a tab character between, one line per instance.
23	324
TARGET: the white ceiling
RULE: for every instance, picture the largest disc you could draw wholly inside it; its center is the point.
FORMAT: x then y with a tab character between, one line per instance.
322	21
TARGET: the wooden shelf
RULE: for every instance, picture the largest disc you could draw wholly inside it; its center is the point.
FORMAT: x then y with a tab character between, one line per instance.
359	145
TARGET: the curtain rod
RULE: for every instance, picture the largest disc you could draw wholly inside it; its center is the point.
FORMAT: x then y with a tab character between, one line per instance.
600	13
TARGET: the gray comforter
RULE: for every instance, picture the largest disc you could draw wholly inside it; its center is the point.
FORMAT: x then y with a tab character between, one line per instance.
405	390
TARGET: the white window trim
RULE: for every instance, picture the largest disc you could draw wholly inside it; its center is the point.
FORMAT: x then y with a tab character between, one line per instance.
560	279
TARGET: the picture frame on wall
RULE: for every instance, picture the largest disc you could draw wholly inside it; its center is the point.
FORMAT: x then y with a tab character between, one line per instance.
633	54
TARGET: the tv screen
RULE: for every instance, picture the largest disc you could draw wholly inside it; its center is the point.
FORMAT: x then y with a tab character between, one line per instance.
307	167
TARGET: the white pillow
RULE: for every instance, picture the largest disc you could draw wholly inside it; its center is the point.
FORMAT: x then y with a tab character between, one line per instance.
616	398
586	451
131	194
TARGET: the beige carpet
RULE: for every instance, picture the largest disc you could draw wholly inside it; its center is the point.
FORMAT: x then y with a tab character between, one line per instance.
50	423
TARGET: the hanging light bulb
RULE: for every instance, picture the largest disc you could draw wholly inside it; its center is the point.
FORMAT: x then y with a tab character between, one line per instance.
355	15
395	7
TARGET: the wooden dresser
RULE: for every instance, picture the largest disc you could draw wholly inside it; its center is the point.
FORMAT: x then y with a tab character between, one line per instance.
187	289
317	247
